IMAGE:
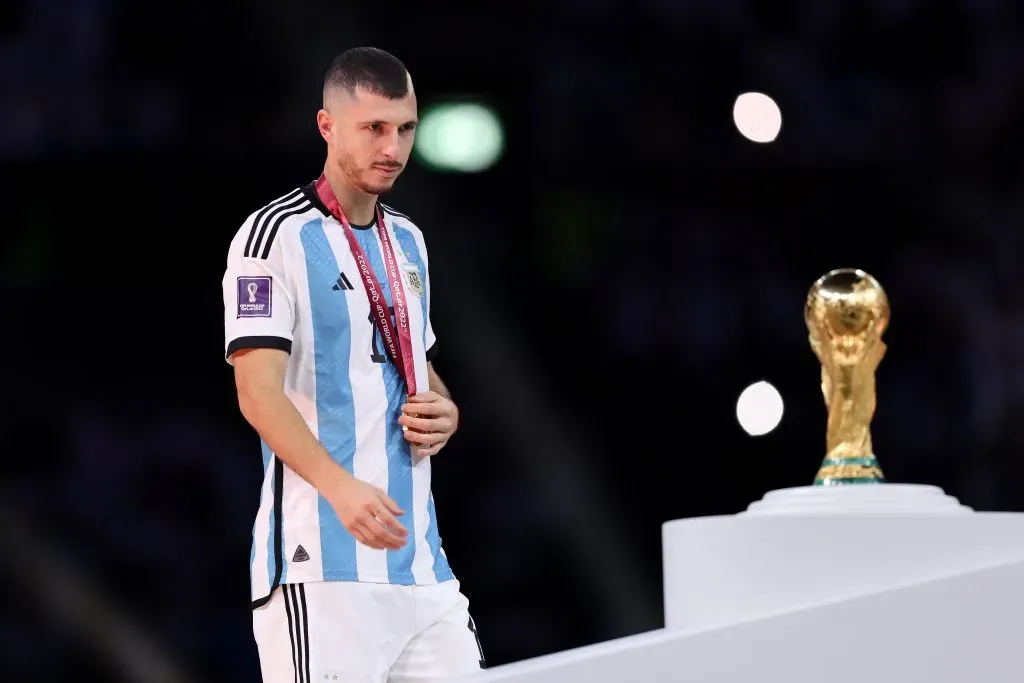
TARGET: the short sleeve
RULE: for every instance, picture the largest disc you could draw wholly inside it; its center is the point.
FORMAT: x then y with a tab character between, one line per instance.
259	301
429	340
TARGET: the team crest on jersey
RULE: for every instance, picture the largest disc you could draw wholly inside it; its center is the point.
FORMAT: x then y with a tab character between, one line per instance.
254	297
412	276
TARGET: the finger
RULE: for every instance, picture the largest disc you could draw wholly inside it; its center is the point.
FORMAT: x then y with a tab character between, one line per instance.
432	409
390	505
388	521
362	538
375	534
426	451
425	438
421	424
425	397
385	537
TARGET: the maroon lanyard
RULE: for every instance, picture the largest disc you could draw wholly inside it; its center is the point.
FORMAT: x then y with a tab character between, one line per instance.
398	343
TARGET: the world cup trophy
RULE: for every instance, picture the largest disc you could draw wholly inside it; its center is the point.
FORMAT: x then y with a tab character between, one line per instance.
846	312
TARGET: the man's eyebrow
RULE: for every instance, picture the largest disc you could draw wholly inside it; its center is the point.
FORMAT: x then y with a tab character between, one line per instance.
375	122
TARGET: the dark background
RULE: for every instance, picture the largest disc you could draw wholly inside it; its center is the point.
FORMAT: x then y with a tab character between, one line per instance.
601	296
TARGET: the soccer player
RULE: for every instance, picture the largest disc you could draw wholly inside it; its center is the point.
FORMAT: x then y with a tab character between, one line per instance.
327	327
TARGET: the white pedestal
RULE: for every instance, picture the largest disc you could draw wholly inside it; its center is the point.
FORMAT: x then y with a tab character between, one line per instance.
804	546
876	583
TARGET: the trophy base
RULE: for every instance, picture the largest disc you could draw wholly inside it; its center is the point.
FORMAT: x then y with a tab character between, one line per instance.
911	499
841	471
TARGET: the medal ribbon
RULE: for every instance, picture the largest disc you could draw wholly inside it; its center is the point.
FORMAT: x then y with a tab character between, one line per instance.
397	341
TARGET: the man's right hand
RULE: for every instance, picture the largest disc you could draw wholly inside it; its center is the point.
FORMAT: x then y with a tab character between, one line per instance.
369	515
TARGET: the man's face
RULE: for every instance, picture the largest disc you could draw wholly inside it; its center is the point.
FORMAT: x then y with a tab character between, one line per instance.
369	137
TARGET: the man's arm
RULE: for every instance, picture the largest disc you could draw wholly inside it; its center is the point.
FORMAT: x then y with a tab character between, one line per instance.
259	381
438	387
435	384
364	510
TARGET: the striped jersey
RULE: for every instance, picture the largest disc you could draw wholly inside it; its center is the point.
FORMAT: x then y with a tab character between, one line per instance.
292	283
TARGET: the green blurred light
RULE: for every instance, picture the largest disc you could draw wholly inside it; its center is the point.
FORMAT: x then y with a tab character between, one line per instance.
464	138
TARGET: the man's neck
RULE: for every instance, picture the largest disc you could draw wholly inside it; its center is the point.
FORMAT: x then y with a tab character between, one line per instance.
358	206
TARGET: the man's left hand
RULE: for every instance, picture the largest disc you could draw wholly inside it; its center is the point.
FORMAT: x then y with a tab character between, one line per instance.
428	420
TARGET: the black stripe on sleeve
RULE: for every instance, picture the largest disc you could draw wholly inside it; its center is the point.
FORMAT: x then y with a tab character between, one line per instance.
306	206
259	343
298	205
432	352
263	212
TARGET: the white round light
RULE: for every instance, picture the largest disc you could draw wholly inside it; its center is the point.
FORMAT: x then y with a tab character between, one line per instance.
757	117
759	409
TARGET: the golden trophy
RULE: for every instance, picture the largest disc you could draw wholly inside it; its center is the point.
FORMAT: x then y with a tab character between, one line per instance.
846	312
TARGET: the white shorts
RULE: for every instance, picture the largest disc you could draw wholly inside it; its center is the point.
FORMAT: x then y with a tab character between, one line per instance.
366	633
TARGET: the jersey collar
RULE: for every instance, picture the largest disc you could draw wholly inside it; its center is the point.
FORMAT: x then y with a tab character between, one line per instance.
310	192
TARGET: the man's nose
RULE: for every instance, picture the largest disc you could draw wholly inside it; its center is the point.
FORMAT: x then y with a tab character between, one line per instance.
389	145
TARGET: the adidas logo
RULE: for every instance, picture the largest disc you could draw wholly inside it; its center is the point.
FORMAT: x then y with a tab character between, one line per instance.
342	283
300	555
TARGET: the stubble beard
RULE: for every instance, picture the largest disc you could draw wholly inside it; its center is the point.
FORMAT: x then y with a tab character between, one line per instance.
354	176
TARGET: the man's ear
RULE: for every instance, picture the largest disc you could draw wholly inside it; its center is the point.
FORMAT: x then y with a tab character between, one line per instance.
325	124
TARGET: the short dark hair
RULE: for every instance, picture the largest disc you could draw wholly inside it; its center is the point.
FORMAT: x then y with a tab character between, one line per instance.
371	68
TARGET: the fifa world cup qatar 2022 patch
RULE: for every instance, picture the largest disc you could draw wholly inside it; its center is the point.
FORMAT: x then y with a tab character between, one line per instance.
254	295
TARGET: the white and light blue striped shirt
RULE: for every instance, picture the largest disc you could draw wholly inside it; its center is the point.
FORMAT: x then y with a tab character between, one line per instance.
292	283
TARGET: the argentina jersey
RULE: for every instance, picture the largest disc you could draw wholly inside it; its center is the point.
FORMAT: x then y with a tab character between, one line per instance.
292	283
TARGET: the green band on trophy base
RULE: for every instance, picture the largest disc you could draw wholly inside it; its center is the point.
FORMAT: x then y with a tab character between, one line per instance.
857	470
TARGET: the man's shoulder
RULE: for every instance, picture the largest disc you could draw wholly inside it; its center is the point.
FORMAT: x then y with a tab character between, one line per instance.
279	218
399	219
